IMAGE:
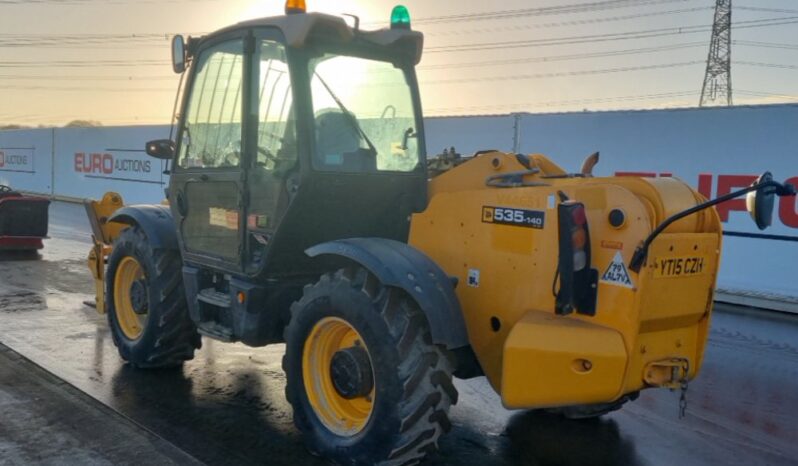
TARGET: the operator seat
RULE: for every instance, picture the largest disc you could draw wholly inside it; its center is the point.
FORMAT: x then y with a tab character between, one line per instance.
338	144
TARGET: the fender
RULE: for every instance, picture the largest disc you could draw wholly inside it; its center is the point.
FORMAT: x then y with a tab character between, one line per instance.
155	220
399	265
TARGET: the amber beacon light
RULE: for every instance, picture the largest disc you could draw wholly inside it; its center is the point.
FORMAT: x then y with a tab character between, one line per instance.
295	6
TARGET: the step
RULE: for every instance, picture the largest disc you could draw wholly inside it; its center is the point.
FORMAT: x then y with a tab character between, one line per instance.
214	298
216	331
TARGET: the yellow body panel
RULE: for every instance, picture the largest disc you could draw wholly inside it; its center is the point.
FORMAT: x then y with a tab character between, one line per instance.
656	318
103	234
588	362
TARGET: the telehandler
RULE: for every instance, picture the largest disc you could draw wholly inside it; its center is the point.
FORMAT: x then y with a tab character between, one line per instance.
301	208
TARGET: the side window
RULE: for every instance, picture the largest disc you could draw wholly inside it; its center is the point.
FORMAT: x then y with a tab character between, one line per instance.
276	133
211	135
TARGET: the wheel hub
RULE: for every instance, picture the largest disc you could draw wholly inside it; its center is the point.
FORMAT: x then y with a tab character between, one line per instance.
138	297
350	370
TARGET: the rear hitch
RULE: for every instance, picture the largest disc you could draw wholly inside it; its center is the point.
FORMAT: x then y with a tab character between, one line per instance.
671	374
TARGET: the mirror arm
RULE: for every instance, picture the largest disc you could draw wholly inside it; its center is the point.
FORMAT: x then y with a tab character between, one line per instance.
639	257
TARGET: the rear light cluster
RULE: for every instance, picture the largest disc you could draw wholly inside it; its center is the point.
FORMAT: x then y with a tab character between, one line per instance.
579	236
577	280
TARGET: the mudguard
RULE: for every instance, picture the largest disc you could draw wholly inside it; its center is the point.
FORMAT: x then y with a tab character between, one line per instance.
400	265
155	220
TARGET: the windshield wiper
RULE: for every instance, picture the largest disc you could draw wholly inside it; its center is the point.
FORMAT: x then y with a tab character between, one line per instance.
350	116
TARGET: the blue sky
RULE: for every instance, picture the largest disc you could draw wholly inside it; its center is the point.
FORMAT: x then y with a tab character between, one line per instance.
51	72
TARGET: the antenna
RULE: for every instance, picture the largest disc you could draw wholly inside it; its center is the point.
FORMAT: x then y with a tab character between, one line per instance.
717	88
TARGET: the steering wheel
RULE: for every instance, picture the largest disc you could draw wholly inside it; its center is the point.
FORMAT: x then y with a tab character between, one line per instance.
5	189
267	153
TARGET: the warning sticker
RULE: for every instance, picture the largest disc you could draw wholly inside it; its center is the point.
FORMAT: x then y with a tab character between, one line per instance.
616	273
473	277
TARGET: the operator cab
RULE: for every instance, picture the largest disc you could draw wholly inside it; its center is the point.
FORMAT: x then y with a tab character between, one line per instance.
293	131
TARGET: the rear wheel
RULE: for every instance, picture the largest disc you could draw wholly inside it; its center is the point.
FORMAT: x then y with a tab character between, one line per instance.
367	384
147	309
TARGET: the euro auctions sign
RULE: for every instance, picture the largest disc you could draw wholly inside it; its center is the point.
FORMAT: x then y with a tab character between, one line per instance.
17	160
109	165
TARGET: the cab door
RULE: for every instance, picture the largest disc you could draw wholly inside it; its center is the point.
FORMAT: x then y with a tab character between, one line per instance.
206	189
273	172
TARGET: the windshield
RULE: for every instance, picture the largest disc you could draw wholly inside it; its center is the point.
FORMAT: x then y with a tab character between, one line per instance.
364	116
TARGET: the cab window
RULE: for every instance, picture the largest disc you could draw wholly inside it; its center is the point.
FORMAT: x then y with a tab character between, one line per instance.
276	130
211	136
364	116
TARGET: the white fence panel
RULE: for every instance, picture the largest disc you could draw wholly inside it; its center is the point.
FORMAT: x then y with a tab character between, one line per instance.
715	150
26	159
91	161
469	134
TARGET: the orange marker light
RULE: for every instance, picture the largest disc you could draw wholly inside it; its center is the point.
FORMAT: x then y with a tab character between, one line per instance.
293	7
241	297
579	238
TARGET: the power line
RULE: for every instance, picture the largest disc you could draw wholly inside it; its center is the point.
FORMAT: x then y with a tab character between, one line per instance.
766	65
766	94
766	10
457	65
576	22
568	57
88	78
643	34
561	74
82	89
771	45
572	8
82	64
558	103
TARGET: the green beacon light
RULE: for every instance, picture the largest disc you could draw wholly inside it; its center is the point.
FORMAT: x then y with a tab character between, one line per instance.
400	17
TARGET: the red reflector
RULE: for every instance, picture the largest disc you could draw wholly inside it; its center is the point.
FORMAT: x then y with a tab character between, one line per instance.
578	214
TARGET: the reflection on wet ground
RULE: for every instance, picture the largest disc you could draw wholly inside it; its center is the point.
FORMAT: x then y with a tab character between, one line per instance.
227	405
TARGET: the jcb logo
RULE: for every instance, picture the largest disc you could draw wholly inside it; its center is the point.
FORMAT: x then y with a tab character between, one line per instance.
487	212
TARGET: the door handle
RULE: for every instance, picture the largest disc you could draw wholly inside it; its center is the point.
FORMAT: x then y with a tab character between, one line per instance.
182	208
204	177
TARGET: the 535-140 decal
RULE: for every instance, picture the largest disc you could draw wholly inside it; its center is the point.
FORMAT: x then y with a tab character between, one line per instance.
516	217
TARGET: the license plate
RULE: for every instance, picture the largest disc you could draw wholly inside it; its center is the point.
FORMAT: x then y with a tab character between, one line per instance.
681	266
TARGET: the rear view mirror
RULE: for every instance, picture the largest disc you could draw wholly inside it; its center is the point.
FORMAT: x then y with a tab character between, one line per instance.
760	203
161	149
178	54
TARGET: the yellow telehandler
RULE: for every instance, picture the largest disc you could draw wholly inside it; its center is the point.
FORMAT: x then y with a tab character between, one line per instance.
302	209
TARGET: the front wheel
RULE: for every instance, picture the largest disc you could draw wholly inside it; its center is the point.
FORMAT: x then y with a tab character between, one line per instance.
147	309
367	384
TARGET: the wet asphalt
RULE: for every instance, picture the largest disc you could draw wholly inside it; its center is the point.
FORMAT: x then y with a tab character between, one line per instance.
59	365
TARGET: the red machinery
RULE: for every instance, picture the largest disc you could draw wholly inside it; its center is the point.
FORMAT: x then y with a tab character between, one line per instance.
23	220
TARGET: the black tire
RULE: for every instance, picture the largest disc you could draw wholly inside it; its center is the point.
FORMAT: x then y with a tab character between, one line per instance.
412	376
169	336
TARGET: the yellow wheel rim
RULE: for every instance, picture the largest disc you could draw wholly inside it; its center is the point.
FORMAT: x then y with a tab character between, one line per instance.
342	416
128	273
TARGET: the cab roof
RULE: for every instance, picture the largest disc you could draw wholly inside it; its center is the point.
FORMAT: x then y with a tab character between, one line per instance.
303	28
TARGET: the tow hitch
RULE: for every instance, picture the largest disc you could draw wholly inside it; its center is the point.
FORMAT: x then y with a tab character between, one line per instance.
671	374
